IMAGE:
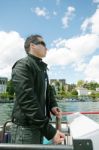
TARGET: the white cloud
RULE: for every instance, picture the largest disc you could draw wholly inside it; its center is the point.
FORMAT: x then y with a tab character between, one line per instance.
11	49
92	70
96	1
72	50
69	14
80	66
58	56
42	12
92	23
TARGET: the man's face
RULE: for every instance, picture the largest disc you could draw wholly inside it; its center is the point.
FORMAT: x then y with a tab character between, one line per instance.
39	48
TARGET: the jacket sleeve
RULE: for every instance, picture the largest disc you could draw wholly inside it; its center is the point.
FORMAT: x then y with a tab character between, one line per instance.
27	99
53	102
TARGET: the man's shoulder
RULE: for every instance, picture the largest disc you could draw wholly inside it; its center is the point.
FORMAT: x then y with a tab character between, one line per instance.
26	62
23	61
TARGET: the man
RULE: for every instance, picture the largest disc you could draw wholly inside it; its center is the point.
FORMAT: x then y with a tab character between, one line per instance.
34	97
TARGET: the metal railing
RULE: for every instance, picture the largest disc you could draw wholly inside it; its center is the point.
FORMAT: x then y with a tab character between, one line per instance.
34	147
85	112
80	144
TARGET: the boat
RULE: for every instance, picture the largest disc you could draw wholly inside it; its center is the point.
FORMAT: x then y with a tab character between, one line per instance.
81	133
82	127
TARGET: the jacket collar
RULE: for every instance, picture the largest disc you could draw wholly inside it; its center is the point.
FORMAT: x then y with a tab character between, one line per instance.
34	57
38	61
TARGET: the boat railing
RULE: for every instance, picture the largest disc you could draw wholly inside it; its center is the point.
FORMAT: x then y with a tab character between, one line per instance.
66	145
81	144
4	132
85	113
34	147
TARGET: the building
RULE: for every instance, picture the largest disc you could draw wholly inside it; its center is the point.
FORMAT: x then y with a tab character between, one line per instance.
97	89
82	91
58	84
61	81
3	84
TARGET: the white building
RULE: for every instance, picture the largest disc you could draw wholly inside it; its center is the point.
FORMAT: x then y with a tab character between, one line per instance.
82	91
3	84
97	89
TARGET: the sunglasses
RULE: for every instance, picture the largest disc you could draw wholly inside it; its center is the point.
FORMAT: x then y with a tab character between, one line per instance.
39	42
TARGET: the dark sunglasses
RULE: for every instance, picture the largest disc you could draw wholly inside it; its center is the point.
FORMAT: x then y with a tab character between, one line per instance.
39	42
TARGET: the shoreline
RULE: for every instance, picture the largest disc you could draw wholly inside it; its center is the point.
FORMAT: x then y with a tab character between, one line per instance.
6	101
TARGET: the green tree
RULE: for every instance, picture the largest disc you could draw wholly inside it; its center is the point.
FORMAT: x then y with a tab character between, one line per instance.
10	89
71	87
80	83
97	95
93	95
4	95
91	85
74	92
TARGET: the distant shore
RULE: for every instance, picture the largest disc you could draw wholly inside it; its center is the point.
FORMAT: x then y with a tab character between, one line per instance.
6	101
77	100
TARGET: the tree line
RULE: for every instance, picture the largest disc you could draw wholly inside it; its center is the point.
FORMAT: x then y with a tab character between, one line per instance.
9	94
60	91
70	90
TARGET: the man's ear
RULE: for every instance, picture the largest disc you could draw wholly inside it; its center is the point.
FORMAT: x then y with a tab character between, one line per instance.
32	45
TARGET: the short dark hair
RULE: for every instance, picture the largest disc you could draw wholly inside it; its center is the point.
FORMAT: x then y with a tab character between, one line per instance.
30	39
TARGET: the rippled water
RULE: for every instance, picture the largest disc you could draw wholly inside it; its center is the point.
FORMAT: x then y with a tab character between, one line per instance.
6	108
5	112
81	107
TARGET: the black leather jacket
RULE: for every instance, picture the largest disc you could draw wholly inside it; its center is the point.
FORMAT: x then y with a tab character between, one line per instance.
28	77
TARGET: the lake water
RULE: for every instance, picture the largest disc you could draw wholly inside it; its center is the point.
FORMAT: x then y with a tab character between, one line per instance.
5	112
6	108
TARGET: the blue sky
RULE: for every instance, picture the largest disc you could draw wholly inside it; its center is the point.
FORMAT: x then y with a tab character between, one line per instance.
70	29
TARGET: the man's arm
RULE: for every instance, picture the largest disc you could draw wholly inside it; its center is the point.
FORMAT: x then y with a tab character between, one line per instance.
53	104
